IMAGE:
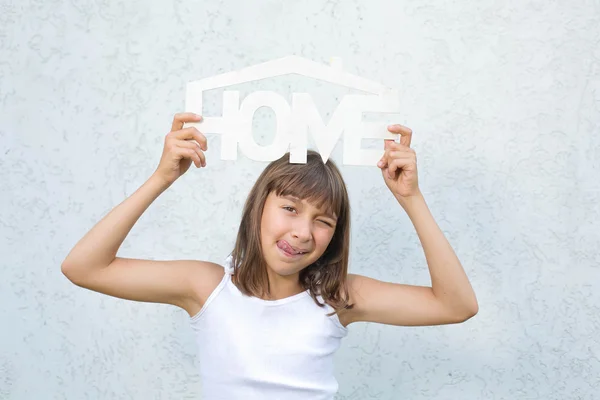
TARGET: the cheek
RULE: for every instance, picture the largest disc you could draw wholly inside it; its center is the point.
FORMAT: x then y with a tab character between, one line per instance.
272	223
323	238
266	226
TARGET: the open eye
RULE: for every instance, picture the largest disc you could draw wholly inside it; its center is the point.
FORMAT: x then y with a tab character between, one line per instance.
288	208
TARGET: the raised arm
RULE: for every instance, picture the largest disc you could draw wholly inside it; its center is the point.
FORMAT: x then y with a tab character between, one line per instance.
93	262
451	298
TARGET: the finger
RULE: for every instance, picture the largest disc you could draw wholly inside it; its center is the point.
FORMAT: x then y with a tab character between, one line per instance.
188	144
405	159
392	168
387	144
392	145
396	165
382	163
184	152
191	154
396	150
401	153
404	132
202	156
181	118
192	133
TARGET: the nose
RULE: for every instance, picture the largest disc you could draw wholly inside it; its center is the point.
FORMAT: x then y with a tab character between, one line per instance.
302	230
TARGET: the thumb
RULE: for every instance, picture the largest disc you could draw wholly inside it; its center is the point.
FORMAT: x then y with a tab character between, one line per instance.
387	143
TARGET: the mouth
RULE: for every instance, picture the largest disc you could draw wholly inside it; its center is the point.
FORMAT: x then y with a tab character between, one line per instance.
289	250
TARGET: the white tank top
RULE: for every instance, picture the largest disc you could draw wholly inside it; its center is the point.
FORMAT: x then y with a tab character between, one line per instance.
252	348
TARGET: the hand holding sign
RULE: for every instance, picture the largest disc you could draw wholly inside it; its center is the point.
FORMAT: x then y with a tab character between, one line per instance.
399	164
182	146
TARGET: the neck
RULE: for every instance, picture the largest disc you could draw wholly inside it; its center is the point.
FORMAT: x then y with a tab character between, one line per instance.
283	286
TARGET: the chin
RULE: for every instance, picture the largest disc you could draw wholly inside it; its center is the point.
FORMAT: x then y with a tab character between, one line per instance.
282	269
285	266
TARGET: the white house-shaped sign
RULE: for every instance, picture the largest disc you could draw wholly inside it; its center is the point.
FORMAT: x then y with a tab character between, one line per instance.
296	121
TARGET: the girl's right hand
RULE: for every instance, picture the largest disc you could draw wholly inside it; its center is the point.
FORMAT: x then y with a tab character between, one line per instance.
182	146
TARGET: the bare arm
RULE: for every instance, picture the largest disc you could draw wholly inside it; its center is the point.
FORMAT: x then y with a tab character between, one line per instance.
98	248
93	262
451	298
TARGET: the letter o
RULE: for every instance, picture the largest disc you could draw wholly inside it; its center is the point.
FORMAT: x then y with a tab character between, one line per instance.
283	115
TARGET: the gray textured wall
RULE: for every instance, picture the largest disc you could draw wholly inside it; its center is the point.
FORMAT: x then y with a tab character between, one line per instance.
504	99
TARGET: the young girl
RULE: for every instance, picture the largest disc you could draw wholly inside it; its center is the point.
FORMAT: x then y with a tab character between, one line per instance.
270	319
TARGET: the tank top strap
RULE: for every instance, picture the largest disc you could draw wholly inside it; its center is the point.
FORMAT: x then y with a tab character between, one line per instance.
228	265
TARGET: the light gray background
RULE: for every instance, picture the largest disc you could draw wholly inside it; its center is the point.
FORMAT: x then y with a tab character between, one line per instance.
504	99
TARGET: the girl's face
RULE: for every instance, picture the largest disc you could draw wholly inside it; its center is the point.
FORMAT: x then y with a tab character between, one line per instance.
294	233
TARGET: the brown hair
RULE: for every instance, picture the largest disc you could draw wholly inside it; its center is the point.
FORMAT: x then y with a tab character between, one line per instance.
322	185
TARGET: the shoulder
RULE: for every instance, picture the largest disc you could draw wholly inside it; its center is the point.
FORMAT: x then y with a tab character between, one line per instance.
356	285
204	277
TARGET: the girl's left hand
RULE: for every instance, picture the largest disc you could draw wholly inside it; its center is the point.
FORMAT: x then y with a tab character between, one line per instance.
399	164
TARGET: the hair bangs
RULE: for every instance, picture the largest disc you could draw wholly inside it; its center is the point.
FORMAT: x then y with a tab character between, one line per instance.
314	184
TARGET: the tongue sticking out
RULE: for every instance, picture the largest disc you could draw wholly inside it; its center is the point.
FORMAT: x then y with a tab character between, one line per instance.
286	247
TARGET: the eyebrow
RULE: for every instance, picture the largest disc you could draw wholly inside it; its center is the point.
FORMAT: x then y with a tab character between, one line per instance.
292	198
299	201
